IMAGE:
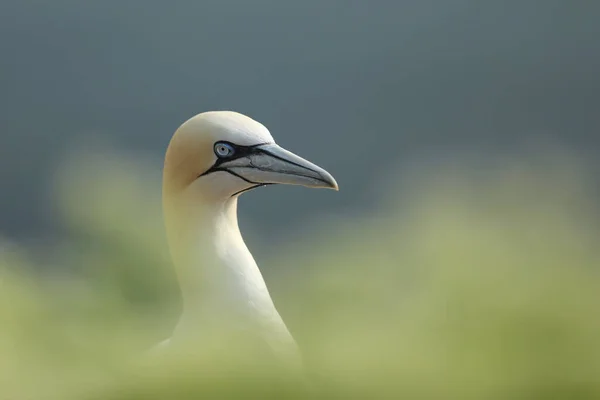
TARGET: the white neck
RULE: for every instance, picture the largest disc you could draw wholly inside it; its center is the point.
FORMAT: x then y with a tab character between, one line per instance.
220	281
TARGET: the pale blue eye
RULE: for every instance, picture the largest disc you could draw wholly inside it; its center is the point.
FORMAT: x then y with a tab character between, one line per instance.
224	150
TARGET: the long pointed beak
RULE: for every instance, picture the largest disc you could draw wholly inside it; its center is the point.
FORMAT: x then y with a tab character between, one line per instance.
269	163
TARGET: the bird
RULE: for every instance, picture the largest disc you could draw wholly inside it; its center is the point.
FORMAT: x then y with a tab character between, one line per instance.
211	160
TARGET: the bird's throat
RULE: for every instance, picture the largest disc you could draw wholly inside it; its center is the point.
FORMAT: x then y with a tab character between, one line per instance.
220	282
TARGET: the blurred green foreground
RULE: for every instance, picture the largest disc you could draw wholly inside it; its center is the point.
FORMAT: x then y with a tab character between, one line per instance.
458	288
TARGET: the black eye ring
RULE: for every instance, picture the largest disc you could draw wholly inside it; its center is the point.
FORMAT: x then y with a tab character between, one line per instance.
224	150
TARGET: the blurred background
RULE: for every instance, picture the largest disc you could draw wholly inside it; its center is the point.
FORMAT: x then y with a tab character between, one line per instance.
457	260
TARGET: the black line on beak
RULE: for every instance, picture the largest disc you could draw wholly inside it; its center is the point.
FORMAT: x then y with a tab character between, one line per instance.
237	175
250	188
285	160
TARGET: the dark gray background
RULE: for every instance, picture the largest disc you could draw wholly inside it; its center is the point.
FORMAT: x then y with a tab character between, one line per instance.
355	86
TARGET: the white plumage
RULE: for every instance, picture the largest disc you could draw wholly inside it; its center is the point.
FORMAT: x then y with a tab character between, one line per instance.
211	160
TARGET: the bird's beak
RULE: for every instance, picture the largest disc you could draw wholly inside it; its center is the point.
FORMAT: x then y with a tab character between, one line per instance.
269	163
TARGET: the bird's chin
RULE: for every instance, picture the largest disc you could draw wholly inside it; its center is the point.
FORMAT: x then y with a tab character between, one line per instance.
249	188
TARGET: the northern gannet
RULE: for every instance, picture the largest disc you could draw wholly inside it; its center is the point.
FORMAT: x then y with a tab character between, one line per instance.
211	160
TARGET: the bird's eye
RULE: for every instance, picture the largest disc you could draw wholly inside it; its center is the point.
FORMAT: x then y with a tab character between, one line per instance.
224	150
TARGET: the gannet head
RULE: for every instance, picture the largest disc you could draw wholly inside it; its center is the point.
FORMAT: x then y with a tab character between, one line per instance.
221	154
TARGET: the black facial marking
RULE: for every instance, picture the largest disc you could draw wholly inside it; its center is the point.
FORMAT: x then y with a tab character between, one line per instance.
246	151
240	151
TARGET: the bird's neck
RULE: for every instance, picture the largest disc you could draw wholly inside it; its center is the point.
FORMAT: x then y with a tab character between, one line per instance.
220	281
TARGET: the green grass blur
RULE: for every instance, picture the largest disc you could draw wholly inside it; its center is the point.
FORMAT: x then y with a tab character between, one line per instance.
462	286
